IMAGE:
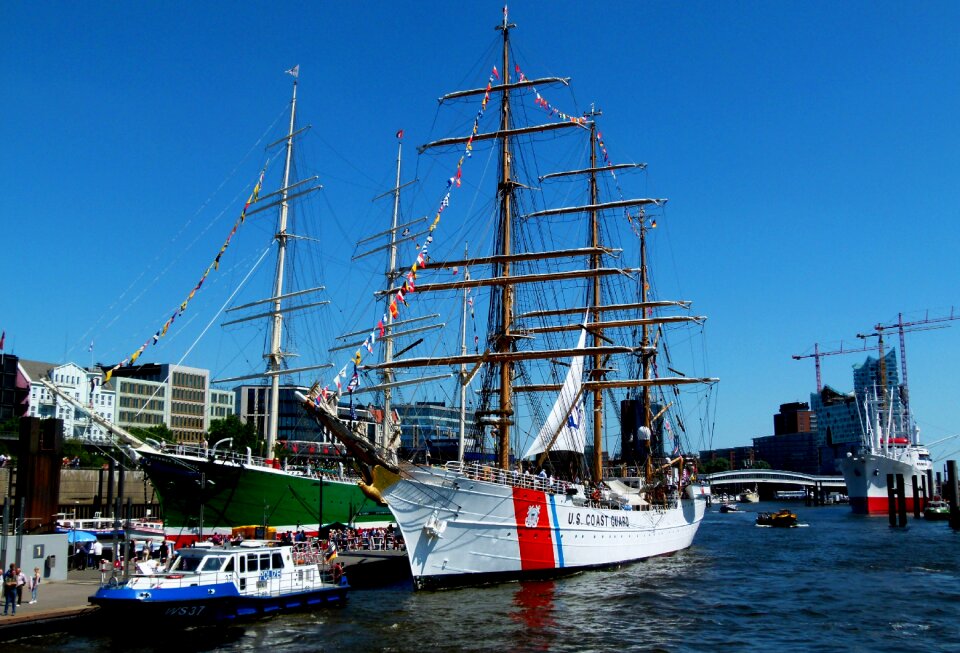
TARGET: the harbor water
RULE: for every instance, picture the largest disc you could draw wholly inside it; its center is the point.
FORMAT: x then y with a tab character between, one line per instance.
839	582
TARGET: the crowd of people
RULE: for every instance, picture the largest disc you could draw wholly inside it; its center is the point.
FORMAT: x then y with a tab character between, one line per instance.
14	582
359	539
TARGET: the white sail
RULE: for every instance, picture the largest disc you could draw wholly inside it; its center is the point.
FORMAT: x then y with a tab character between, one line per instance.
565	417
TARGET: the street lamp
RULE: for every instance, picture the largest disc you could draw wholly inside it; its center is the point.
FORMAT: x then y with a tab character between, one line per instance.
319	484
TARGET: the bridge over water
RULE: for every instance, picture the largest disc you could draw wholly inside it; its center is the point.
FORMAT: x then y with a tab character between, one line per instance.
775	476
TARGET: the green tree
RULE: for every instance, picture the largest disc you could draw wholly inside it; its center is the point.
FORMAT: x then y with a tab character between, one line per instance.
10	427
761	464
89	456
159	432
715	465
242	434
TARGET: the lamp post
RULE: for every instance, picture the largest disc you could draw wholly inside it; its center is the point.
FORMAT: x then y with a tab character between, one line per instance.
319	484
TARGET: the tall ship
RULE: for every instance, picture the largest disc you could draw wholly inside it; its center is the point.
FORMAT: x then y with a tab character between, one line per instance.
574	347
206	488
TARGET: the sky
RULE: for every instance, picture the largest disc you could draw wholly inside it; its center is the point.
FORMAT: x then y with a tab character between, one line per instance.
808	150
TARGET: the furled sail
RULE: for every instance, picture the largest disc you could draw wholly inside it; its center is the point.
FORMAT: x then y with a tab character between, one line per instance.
565	421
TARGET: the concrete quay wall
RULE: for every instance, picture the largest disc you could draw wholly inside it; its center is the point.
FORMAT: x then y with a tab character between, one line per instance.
80	487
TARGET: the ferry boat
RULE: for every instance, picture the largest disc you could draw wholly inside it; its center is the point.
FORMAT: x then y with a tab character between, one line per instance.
207	585
102	527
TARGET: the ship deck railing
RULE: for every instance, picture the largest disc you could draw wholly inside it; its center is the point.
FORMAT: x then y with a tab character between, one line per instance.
516	478
238	458
513	478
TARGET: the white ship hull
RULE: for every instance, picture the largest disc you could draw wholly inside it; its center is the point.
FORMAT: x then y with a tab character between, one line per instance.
866	477
467	531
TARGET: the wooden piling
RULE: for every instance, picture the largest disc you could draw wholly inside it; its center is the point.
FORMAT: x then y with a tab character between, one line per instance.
953	491
901	500
916	497
891	500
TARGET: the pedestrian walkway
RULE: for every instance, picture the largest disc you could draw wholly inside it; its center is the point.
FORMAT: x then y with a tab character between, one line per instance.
60	604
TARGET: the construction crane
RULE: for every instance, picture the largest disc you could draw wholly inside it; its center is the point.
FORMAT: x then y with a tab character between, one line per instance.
817	355
926	324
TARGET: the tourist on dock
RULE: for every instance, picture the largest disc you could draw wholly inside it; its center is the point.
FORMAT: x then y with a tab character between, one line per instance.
21	583
34	584
96	550
82	556
10	589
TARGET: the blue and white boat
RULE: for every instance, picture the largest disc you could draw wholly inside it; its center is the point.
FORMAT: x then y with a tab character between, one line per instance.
206	585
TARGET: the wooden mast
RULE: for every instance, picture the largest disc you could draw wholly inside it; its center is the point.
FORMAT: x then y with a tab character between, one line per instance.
504	342
645	344
596	467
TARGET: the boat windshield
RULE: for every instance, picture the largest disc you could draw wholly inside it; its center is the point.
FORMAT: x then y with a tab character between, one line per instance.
213	563
186	563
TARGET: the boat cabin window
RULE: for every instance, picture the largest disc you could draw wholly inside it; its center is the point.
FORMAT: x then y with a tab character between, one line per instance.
261	561
213	563
229	566
186	563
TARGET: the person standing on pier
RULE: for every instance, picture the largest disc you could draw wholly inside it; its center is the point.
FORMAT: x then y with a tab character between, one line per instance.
34	584
10	589
21	582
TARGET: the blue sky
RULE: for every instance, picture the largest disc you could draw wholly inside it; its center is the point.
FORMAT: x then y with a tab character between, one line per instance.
809	151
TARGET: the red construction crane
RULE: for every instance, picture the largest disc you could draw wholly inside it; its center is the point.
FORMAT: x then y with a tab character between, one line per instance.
817	355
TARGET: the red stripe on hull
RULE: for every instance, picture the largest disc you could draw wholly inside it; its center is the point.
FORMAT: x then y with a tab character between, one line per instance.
533	529
876	505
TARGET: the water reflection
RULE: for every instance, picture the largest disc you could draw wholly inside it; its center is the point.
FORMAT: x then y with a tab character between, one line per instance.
534	610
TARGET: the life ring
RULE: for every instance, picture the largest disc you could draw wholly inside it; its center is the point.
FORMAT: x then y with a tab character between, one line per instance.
595	495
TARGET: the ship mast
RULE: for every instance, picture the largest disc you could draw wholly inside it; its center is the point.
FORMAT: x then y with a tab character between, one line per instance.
391	275
463	367
645	344
504	342
275	357
596	467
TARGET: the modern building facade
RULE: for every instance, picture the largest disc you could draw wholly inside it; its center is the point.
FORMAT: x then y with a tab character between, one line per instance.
181	392
221	404
433	427
298	432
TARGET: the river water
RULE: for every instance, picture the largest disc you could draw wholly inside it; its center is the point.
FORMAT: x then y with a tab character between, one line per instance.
840	582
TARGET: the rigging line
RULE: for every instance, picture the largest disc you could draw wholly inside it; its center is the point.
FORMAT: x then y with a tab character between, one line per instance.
210	323
189	221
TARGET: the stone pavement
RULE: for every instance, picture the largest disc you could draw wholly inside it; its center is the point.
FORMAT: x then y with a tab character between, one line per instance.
58	602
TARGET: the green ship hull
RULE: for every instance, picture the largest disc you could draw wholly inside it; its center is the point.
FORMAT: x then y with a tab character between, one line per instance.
226	494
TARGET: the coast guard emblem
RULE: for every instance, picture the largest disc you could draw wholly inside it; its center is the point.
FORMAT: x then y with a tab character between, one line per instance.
533	516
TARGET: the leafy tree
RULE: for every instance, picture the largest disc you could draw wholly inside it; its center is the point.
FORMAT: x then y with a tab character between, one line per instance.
159	432
11	427
715	465
89	456
243	435
761	464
